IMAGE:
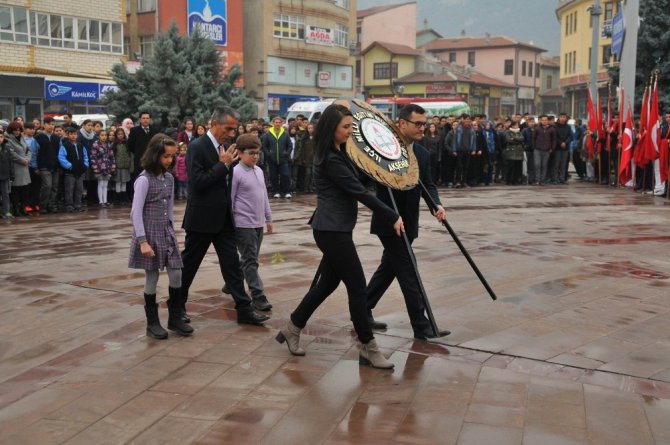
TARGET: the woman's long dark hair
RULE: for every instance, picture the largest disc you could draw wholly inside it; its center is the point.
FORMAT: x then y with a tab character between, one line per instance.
325	130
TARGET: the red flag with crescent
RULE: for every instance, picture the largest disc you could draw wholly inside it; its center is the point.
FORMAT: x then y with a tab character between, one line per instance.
625	173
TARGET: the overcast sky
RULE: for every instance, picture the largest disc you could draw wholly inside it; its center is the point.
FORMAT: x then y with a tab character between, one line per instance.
526	20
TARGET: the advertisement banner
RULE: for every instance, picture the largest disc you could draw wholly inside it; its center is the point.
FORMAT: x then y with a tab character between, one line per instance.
80	91
210	18
319	36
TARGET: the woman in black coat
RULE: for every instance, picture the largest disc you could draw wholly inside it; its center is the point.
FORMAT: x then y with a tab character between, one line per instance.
339	190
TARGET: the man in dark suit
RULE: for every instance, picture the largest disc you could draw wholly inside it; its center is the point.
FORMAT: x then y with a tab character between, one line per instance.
139	137
396	261
208	218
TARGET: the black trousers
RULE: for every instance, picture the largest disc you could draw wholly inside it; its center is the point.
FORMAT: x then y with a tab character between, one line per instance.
340	262
396	263
195	248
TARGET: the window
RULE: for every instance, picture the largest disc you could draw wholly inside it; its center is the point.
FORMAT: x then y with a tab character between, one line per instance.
289	26
341	35
590	55
342	3
565	63
146	46
523	68
530	69
42	29
574	22
385	70
607	52
82	29
471	58
550	81
574	61
94	35
145	5
13	24
568	24
537	70
509	67
126	46
609	12
117	38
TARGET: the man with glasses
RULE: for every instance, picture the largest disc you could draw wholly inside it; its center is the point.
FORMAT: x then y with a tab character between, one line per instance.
396	261
208	218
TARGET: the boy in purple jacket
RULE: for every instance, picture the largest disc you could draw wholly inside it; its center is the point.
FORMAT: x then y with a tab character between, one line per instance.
251	211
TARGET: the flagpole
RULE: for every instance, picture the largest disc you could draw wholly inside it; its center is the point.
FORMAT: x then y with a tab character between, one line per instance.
620	143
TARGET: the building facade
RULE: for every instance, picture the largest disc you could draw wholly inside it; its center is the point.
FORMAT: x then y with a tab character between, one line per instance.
221	20
576	47
509	60
297	51
550	94
372	25
56	56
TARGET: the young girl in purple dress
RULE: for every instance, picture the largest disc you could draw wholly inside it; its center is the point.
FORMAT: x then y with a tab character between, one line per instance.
154	244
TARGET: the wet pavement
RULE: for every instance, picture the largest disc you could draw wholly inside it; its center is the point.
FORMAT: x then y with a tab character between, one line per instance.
575	351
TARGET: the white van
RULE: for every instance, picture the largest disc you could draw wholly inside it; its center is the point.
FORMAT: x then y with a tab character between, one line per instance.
107	120
311	109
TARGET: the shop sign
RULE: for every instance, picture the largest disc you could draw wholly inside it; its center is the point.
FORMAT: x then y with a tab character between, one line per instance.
77	91
441	89
210	18
319	36
480	90
323	79
508	96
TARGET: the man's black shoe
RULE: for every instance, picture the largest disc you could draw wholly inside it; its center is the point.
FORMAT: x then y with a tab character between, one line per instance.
261	303
376	325
249	316
225	289
428	333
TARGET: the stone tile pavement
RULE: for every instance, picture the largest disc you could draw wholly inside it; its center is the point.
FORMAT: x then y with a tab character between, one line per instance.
575	351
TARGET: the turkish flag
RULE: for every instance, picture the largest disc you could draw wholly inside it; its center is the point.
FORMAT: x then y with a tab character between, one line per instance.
593	125
653	128
625	173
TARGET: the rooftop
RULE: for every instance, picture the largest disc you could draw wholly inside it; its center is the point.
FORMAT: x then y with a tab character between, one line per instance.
471	42
394	48
377	9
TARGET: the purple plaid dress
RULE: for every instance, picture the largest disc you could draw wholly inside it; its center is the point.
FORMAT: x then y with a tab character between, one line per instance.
154	217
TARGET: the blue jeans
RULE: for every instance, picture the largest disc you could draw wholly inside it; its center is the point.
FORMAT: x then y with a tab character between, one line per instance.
280	177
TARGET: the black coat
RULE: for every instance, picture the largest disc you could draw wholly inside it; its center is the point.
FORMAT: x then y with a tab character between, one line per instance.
407	201
138	140
6	162
208	203
338	191
277	150
47	156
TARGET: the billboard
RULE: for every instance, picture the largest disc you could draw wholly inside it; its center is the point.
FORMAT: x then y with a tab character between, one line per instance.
78	91
210	18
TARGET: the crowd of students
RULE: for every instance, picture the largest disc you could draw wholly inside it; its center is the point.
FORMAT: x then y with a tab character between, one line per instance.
49	168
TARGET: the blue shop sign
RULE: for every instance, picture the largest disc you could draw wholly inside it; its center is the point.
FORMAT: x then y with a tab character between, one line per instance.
79	91
209	19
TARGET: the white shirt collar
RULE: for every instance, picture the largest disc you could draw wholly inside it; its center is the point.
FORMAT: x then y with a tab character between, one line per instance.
213	139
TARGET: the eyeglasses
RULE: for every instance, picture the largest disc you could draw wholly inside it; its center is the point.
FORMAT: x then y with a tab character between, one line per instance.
417	124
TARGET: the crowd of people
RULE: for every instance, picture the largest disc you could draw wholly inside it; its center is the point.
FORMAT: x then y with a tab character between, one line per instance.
470	151
49	168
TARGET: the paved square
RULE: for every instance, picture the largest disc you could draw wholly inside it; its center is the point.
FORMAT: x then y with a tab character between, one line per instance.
575	351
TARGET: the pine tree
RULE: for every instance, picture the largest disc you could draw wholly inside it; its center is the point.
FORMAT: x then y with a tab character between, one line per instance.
653	51
181	79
